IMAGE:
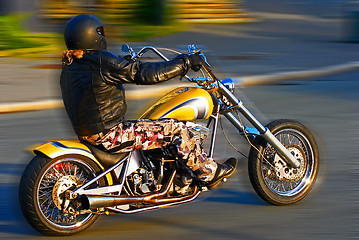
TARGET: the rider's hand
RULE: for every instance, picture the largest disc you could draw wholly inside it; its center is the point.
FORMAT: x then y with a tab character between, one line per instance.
128	58
196	62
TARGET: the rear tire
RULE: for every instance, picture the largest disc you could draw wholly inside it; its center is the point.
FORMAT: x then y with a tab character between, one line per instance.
271	178
40	188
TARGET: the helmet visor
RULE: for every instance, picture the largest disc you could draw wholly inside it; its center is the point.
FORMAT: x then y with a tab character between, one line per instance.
100	31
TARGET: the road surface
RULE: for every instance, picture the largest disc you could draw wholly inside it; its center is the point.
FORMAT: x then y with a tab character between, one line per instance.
328	105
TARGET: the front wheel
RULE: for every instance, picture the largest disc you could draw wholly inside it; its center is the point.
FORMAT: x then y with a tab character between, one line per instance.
42	189
275	181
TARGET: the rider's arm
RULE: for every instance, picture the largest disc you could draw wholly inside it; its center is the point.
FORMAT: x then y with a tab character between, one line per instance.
117	70
155	72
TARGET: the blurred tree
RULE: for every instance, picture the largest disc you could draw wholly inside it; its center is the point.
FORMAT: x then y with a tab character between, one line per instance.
150	11
13	35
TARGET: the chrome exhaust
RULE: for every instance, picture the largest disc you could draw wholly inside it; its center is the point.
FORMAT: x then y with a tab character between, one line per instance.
102	201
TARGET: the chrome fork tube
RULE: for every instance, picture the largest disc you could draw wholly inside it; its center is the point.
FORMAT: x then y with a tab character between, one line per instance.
265	133
214	134
234	121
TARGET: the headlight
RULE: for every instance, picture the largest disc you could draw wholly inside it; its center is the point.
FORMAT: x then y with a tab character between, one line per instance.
228	82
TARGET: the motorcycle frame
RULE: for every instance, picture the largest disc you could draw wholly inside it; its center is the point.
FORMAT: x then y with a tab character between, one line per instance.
123	166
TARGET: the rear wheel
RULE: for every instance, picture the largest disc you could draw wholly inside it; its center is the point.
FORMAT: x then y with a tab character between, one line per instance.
272	179
42	189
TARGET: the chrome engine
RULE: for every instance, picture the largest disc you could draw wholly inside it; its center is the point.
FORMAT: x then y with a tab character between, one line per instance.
144	180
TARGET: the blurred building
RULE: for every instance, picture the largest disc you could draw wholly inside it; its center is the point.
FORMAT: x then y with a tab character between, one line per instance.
65	9
194	11
207	11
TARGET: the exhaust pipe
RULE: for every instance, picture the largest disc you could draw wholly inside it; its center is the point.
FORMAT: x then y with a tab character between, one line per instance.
102	201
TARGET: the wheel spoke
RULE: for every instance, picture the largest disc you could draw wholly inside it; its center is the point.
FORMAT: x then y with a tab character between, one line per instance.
63	174
293	140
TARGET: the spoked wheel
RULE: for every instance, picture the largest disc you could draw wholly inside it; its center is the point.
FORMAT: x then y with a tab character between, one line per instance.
271	177
42	194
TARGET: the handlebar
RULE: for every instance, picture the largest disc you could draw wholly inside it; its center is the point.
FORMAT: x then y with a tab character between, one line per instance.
192	49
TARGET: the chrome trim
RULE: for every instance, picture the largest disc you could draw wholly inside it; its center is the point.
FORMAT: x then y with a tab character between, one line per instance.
193	197
99	201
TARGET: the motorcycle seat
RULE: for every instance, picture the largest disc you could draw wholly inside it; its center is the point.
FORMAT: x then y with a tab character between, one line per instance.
107	159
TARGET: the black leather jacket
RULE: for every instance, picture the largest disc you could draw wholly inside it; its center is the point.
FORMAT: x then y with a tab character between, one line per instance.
92	88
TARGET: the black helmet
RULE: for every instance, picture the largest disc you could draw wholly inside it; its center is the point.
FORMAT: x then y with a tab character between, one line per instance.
85	32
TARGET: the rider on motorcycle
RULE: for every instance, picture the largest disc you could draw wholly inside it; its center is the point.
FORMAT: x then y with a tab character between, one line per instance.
94	98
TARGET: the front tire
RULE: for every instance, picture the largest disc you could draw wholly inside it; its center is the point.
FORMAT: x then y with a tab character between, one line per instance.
272	179
41	189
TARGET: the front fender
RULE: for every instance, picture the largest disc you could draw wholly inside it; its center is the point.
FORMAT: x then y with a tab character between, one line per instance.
56	149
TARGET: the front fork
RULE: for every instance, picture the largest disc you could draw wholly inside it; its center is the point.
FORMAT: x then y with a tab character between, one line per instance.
265	133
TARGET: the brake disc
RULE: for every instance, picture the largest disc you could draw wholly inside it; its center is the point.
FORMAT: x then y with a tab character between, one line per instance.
65	183
287	173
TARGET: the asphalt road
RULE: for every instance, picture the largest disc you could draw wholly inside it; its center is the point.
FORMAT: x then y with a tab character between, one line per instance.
328	105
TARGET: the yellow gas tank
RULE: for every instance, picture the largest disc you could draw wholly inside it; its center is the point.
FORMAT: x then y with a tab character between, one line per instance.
183	103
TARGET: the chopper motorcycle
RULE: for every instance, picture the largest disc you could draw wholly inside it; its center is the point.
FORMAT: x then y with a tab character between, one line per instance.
68	184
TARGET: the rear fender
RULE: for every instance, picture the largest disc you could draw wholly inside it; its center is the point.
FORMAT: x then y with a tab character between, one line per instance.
56	149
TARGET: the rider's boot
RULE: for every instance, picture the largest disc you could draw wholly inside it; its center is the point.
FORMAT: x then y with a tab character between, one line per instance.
223	170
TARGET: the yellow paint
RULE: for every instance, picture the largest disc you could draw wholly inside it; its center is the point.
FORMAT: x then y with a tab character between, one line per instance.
174	99
53	151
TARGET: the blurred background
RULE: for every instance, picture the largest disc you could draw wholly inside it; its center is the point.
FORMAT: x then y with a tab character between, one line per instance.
37	25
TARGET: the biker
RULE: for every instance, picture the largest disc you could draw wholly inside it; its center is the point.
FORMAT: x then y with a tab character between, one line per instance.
92	81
